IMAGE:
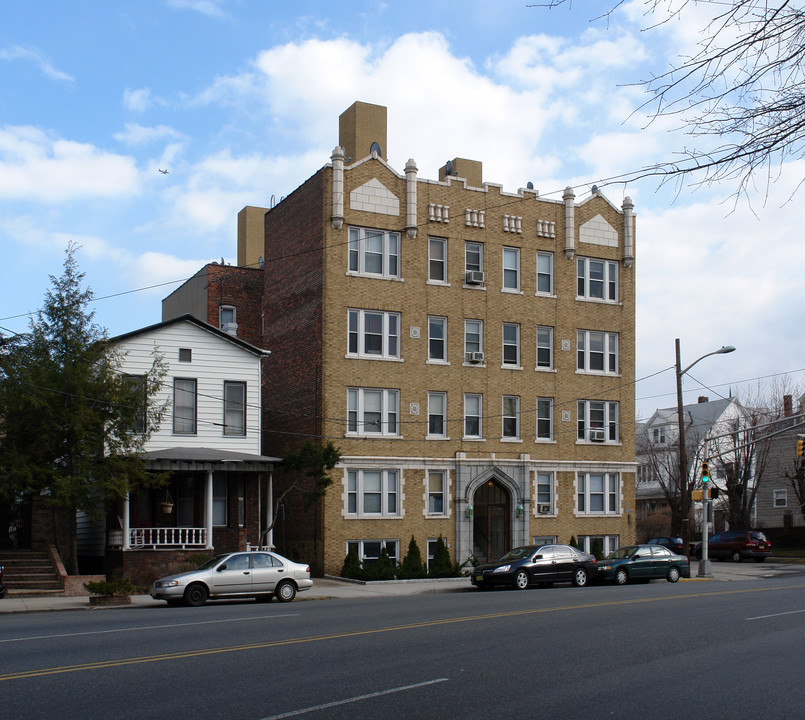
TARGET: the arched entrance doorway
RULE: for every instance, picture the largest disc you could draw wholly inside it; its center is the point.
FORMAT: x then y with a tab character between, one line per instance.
491	516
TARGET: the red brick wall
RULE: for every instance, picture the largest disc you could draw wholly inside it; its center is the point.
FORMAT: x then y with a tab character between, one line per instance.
243	289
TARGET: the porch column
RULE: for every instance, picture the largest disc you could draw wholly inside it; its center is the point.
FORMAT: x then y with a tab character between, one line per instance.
126	522
208	510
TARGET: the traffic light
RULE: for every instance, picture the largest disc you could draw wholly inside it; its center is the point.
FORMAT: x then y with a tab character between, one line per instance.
800	448
705	472
714	492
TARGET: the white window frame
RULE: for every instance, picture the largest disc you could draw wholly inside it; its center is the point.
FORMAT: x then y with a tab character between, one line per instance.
515	344
507	417
389	412
598	490
437	321
189	391
234	409
544	331
389	252
543	272
610	543
778	495
604	409
227	314
367	560
609	353
544	491
437	413
658	435
388	490
357	334
436	493
436	263
606	276
469	248
472	346
479	416
544	404
510	275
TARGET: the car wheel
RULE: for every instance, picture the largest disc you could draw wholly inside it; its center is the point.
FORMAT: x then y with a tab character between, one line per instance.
621	577
285	592
580	577
673	574
195	595
521	580
736	556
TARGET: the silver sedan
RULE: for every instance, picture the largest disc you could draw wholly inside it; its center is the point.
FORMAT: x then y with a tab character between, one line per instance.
261	575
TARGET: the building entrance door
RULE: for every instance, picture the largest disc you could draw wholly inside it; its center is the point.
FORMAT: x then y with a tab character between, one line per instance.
491	512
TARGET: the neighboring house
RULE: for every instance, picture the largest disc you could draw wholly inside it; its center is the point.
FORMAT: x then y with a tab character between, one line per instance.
470	350
658	452
218	494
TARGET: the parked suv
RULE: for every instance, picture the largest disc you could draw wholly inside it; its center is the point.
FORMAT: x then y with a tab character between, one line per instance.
736	546
674	544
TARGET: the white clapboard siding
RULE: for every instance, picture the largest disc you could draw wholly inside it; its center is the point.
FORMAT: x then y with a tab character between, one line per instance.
214	360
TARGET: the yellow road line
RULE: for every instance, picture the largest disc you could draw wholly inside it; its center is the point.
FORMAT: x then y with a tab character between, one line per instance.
357	633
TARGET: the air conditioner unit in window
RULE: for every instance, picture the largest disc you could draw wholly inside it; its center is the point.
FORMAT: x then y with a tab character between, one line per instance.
474	277
475	357
230	328
597	436
543	509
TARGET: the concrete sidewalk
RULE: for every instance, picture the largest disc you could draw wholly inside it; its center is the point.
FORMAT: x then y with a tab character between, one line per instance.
330	588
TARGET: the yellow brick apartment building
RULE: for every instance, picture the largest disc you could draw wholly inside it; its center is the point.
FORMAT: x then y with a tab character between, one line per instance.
469	349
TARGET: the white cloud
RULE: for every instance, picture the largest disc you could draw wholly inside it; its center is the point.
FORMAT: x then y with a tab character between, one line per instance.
135	134
35	166
210	8
138	100
16	52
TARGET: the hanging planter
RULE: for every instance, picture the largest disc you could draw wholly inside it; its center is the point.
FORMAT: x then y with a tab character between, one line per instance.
167	503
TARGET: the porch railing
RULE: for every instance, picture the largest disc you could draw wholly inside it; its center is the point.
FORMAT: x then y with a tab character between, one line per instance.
161	537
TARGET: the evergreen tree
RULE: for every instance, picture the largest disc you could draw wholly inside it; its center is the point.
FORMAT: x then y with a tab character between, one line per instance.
597	548
441	566
352	567
71	423
412	566
383	569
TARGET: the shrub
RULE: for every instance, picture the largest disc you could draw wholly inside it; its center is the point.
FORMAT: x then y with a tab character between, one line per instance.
573	542
383	569
597	548
442	566
352	568
412	566
111	586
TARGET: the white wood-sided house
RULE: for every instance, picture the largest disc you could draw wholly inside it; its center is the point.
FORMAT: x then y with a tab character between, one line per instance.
218	496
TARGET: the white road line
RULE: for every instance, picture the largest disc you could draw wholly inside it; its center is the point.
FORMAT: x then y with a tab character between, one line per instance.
145	627
763	617
357	698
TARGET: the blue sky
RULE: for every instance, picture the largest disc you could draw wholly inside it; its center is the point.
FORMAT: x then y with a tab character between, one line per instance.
240	99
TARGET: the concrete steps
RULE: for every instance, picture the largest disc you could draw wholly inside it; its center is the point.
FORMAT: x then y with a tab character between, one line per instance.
30	573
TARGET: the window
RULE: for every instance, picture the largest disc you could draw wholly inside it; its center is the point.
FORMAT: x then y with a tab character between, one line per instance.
473	258
597	421
544	273
473	405
373	334
609	543
540	540
184	406
234	408
374	252
659	436
185	355
437	408
511	344
544	418
437	260
227	315
544	347
437	339
780	498
219	500
597	279
372	411
511	416
436	492
372	492
473	340
511	268
368	551
138	403
544	493
597	493
596	351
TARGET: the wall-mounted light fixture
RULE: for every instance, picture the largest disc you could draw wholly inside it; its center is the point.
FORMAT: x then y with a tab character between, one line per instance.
520	510
469	511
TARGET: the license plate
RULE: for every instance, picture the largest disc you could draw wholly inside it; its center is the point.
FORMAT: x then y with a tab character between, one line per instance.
479	578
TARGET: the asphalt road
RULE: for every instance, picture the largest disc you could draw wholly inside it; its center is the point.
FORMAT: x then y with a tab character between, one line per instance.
714	650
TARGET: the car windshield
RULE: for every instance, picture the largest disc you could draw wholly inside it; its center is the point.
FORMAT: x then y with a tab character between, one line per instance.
622	553
757	536
212	562
518	553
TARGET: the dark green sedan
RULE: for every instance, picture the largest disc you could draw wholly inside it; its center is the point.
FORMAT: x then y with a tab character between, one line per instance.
643	562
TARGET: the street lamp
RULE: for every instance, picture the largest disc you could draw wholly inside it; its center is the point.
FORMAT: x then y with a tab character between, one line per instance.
683	459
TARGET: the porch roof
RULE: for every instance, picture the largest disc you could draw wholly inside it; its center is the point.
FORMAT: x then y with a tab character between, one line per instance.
196	458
